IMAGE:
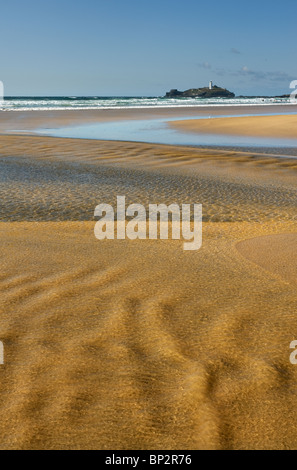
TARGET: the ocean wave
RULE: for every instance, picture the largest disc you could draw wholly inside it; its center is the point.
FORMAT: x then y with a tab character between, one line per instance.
95	103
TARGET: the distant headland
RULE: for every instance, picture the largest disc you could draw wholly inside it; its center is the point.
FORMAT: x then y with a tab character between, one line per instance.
212	91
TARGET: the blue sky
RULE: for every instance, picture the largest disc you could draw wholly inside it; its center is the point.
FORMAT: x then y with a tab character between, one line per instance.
118	47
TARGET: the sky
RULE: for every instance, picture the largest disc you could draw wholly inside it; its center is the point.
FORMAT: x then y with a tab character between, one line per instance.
145	48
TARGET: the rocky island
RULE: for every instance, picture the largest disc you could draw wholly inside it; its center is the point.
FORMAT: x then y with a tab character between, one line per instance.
212	91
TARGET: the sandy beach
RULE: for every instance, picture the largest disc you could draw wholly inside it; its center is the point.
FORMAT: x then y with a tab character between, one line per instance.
14	121
257	126
121	344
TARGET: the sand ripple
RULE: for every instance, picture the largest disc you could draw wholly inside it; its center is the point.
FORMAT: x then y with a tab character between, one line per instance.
140	345
32	190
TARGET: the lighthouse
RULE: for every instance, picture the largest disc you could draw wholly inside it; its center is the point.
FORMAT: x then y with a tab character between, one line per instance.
210	85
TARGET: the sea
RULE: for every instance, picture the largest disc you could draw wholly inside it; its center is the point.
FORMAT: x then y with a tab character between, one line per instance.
156	130
113	102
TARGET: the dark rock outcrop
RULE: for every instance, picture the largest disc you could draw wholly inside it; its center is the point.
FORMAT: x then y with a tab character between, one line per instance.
214	92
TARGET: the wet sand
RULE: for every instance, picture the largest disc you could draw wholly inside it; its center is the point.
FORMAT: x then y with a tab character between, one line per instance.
30	120
137	344
257	126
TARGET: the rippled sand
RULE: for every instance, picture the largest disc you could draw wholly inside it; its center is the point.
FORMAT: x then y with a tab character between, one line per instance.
138	344
48	179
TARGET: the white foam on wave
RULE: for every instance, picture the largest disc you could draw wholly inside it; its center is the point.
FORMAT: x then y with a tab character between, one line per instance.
73	103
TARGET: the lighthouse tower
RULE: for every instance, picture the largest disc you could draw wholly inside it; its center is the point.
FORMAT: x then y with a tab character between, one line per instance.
210	85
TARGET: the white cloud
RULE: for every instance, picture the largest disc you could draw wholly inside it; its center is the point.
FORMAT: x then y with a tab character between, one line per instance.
233	50
205	65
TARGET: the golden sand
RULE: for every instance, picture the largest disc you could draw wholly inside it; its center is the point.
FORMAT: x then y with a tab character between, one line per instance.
277	254
258	126
138	344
